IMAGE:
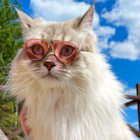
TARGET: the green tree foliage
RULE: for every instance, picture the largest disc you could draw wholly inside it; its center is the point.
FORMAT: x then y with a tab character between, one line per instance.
10	42
10	35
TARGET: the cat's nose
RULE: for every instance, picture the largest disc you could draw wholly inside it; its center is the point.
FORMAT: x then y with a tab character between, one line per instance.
49	65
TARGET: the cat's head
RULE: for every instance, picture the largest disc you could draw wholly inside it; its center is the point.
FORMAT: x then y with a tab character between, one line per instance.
78	32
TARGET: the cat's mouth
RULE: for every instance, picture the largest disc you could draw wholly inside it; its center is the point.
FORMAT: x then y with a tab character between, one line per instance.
50	76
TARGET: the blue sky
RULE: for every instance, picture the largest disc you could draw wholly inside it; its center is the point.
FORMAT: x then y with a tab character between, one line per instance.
117	24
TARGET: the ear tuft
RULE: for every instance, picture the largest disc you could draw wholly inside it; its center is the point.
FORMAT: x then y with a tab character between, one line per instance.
87	20
25	19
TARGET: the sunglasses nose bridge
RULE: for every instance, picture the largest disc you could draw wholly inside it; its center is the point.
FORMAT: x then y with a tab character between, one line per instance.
50	47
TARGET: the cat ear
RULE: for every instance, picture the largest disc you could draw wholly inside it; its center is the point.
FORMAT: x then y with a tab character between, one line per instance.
25	19
87	20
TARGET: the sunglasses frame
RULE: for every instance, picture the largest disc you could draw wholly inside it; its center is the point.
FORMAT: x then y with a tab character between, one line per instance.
51	44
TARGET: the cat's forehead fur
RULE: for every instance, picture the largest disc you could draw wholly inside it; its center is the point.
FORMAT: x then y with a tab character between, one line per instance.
71	30
63	31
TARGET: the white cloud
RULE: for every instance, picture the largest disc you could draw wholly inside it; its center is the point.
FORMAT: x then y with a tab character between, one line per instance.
104	33
54	10
129	91
126	13
108	31
101	0
96	0
134	107
62	10
135	123
124	50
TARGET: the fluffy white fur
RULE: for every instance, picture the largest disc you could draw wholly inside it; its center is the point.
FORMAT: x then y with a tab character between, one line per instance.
85	103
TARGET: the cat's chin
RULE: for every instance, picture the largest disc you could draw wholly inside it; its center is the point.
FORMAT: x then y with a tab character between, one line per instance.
50	77
50	81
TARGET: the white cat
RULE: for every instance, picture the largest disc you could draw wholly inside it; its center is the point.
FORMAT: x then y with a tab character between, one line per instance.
81	100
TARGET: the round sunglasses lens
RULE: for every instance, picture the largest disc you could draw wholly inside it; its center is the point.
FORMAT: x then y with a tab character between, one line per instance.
65	52
35	49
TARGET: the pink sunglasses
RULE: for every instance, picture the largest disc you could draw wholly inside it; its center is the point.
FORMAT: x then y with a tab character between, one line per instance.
65	51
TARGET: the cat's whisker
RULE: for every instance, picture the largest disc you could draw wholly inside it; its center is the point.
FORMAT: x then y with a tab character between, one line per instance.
1	55
66	75
16	71
63	70
73	86
70	84
8	77
78	77
26	88
63	87
30	84
69	100
63	83
16	79
62	74
20	73
36	93
21	83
